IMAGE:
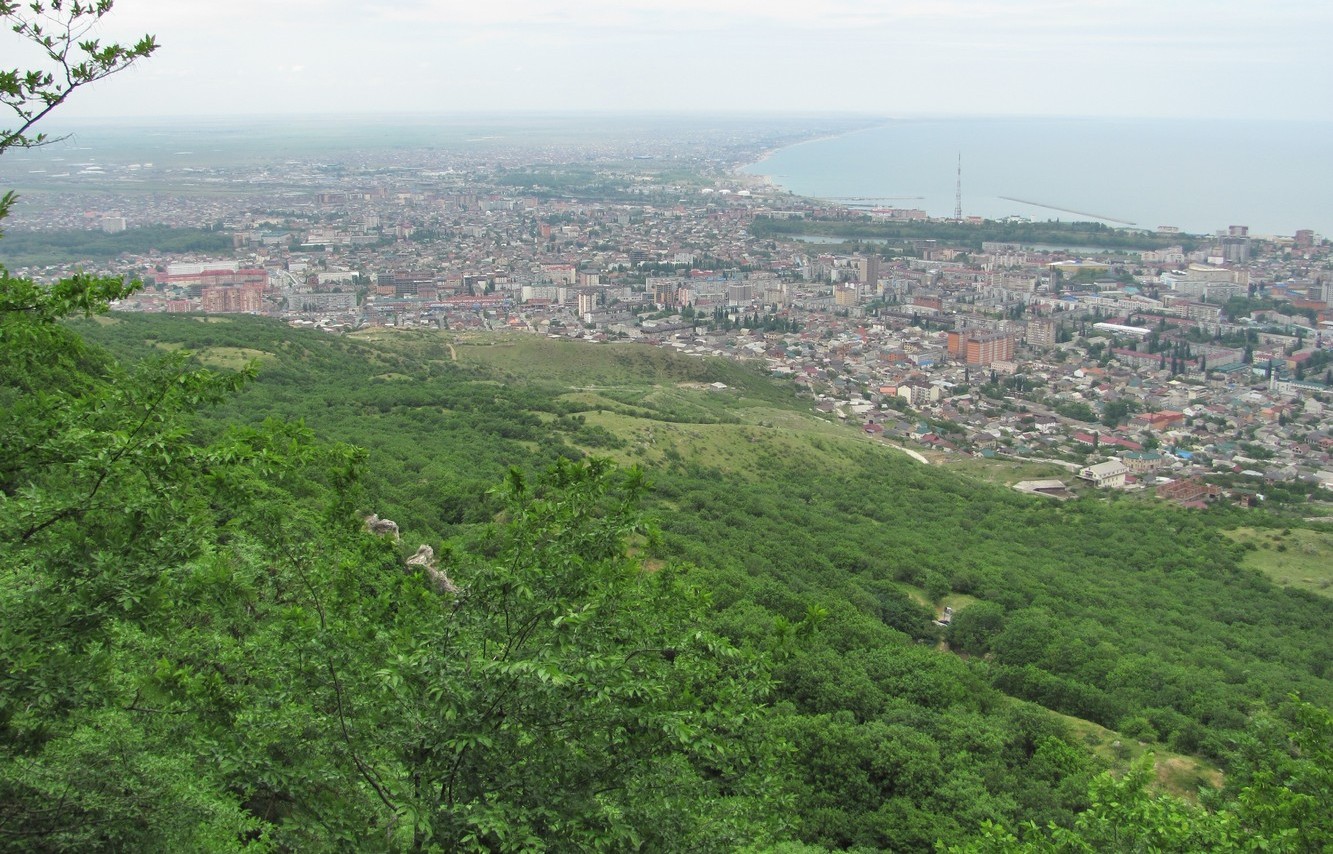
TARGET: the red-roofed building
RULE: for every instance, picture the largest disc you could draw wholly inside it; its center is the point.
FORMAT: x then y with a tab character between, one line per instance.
1159	421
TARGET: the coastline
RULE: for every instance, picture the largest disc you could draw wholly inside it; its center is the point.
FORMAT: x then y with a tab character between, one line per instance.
768	153
1071	167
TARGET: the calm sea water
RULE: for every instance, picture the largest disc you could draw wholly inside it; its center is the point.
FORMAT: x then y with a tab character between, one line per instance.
1197	175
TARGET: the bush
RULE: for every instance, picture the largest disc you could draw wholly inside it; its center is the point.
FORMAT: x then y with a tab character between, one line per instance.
975	626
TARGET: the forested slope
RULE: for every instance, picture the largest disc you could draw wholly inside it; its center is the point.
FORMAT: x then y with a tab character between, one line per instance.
826	557
203	648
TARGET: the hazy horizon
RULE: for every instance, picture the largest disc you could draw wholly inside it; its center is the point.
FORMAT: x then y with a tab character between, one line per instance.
1003	58
870	118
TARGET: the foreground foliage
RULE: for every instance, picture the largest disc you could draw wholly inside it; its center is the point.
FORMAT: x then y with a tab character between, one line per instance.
1280	804
202	648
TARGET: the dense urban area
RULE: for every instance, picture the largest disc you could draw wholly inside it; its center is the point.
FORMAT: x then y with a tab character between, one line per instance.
1195	365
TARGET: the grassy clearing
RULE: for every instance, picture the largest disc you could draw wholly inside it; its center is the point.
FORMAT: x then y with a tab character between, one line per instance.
1178	774
1007	472
579	365
957	601
575	364
742	449
666	409
378	336
724	430
230	358
222	358
1291	557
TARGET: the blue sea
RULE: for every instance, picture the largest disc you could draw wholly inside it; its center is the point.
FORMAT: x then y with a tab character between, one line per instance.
1200	176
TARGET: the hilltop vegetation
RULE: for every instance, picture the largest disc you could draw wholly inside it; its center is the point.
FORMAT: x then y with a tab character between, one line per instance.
821	558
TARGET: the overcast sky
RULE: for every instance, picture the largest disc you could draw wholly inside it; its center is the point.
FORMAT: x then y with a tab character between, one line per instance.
1222	58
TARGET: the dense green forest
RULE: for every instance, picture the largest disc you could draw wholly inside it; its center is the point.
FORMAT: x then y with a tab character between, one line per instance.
729	636
66	246
972	235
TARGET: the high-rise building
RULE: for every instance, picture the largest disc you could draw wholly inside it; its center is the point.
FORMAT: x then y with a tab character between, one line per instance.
1040	332
990	348
1235	244
981	348
867	271
740	293
232	299
665	293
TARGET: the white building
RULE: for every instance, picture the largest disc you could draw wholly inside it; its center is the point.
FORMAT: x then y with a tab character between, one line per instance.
1108	474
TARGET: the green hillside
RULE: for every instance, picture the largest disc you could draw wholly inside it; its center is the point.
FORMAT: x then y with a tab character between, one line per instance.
816	547
1291	558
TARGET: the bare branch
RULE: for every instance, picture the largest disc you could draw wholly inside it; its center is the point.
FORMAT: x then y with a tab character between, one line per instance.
60	31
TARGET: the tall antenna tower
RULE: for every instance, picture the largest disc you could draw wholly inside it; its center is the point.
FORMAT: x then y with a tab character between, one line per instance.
958	191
